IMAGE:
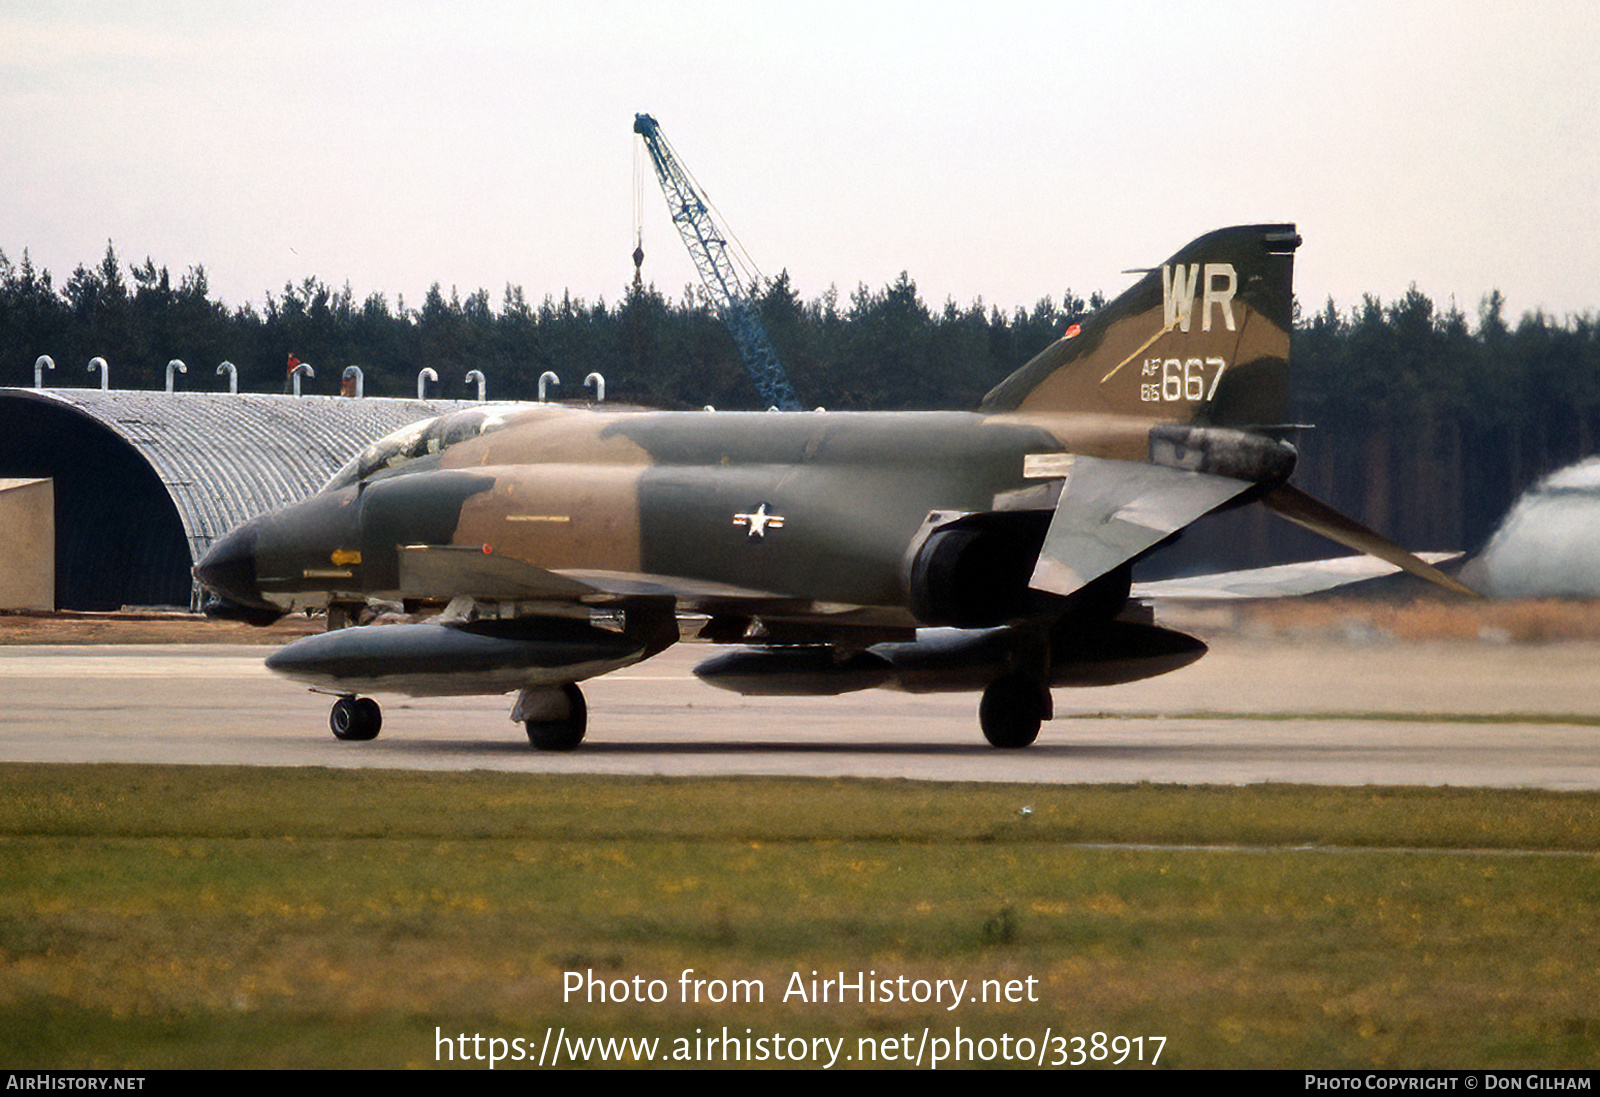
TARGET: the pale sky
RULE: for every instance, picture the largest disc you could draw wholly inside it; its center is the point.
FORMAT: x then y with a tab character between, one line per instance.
997	150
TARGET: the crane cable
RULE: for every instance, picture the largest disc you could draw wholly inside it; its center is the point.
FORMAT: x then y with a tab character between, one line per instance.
638	217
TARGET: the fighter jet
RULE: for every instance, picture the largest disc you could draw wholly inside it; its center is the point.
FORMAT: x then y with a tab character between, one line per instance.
989	550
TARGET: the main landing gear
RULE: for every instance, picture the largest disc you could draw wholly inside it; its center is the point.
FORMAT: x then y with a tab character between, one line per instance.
1012	708
355	719
556	718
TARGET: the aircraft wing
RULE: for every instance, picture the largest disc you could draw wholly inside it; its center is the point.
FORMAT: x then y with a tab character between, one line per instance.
1304	510
1279	581
1110	511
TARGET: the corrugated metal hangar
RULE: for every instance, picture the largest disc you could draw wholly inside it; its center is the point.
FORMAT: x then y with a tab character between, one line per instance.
144	482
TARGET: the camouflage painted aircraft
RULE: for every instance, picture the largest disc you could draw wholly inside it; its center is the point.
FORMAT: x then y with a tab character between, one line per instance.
988	550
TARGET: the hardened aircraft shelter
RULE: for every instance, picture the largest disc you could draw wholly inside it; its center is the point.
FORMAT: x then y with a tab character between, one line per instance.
144	482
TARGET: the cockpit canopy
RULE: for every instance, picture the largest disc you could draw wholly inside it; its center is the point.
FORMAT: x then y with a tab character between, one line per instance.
417	440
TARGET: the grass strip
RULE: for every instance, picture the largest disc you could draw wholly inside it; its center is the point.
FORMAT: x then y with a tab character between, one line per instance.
174	916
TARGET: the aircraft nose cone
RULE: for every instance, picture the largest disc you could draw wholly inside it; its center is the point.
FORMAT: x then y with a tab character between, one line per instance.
229	569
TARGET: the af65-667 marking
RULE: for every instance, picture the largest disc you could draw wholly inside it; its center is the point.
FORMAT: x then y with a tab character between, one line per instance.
1171	380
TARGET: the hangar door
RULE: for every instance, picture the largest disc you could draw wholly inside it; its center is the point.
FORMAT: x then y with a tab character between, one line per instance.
118	538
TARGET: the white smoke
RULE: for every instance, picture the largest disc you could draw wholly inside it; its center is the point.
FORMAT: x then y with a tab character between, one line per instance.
1548	546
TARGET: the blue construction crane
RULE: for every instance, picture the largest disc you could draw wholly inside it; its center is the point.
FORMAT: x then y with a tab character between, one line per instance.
733	296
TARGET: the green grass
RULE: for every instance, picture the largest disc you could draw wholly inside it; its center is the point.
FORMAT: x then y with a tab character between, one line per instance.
226	916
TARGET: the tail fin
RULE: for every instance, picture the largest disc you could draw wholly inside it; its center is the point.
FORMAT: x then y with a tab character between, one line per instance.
1203	338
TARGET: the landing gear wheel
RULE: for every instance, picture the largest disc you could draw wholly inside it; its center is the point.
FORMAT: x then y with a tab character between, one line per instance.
557	732
1012	709
355	719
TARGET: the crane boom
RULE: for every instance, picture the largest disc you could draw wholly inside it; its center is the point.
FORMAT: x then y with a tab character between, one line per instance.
708	247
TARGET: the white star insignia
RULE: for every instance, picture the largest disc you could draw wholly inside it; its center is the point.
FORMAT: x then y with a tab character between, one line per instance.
759	521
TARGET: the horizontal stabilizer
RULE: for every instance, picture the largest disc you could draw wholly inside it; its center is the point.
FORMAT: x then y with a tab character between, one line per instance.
1316	516
1278	581
1111	511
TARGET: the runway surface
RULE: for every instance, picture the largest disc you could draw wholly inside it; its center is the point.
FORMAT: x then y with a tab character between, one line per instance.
1474	714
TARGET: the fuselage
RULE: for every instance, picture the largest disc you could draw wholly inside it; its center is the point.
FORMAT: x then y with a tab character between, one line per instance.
822	508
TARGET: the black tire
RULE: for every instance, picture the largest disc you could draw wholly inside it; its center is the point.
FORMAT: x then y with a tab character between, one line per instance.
355	719
1012	710
565	733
